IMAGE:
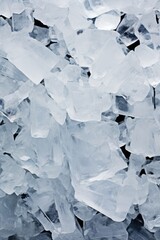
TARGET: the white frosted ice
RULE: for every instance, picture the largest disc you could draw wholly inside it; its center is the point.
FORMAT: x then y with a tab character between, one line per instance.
79	120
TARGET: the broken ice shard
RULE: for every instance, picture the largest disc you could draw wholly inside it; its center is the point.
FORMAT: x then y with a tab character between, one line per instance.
31	58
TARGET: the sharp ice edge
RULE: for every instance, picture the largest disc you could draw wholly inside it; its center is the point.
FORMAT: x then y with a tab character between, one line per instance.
79	120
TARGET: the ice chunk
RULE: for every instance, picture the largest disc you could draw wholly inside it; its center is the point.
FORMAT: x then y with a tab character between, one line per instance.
103	62
85	52
64	209
50	13
39	125
40	34
152	171
102	227
30	54
148	139
150	210
22	22
96	133
136	230
146	55
70	73
83	212
9	181
134	86
101	195
86	103
107	21
77	17
56	88
7	215
85	169
121	103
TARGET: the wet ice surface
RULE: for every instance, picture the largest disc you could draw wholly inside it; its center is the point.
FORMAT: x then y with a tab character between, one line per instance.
79	120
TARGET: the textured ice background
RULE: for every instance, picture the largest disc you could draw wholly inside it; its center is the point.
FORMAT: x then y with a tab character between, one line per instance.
79	120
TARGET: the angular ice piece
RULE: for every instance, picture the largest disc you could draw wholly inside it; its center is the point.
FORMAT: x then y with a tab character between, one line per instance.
107	21
50	14
103	62
153	171
77	17
136	230
22	22
40	34
136	162
101	195
86	103
64	209
83	212
40	126
150	210
127	23
94	162
101	227
8	219
126	29
133	80
9	180
97	133
149	22
128	79
58	113
85	53
146	55
8	70
14	99
56	88
148	139
31	57
152	74
121	103
70	73
49	156
95	8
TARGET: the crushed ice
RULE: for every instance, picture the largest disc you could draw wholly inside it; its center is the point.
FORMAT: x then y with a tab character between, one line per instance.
79	119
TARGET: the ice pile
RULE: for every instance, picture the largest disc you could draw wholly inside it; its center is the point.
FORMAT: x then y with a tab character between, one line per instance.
79	119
